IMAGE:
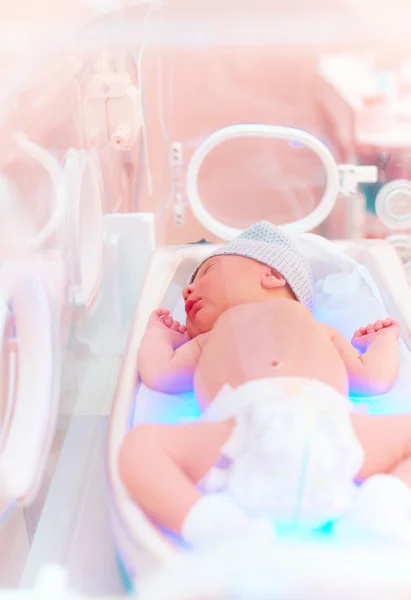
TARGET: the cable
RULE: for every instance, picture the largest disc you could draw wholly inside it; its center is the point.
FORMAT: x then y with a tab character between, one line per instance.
140	83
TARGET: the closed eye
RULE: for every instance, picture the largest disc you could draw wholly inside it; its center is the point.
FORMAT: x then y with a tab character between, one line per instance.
208	268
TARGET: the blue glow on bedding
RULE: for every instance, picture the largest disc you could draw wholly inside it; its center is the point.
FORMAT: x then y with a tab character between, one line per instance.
186	409
301	534
191	410
183	408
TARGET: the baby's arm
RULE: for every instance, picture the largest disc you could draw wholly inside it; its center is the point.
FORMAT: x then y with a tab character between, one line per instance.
167	357
160	465
374	372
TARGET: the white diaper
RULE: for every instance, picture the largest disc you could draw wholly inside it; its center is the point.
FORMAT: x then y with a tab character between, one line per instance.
292	455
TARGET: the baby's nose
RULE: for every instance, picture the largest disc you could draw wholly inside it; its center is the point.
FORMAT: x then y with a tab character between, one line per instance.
188	290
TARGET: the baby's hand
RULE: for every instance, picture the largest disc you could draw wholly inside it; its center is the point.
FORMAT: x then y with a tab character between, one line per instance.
364	336
162	318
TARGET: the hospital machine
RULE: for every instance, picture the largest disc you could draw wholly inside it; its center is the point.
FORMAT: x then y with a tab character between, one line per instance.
118	174
367	111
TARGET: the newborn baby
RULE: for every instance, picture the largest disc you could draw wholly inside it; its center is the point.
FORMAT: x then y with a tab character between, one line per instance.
248	316
249	320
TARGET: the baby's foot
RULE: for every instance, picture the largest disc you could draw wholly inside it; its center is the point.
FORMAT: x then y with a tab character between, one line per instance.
380	511
216	519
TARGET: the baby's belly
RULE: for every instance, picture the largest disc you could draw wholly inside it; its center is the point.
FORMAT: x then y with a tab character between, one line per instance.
272	339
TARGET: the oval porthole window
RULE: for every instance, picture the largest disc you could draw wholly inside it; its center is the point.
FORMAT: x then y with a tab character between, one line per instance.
28	392
83	183
295	216
8	367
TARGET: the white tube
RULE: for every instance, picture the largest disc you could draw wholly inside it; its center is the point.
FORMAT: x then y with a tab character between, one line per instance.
308	222
52	168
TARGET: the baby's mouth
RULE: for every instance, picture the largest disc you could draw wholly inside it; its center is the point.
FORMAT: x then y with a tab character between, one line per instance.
189	305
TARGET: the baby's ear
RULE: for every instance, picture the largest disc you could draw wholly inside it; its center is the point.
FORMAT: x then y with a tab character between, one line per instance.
271	279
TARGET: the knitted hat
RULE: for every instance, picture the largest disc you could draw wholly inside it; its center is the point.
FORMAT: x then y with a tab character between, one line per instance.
269	245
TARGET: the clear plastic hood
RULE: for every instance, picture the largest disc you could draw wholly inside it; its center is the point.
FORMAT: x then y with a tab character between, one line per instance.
130	125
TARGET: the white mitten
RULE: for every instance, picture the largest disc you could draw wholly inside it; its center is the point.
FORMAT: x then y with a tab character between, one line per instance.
216	518
381	510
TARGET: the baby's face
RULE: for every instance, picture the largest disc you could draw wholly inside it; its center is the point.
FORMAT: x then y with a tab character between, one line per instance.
221	283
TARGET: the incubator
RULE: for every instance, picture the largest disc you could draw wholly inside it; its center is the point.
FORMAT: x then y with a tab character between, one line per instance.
135	139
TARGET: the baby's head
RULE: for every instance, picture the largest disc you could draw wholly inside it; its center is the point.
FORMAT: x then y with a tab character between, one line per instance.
261	264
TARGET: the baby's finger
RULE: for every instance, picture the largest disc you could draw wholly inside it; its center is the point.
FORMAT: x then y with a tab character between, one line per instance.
168	320
357	333
388	322
378	325
370	328
363	330
182	329
161	312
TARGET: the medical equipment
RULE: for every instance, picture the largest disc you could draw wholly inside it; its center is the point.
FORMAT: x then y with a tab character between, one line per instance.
368	118
117	125
339	178
62	265
58	267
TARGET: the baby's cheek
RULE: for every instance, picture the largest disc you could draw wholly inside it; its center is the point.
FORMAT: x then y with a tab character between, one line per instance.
191	329
204	322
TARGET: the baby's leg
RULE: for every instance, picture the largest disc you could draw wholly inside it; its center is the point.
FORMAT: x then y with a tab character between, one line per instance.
386	440
160	465
382	505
